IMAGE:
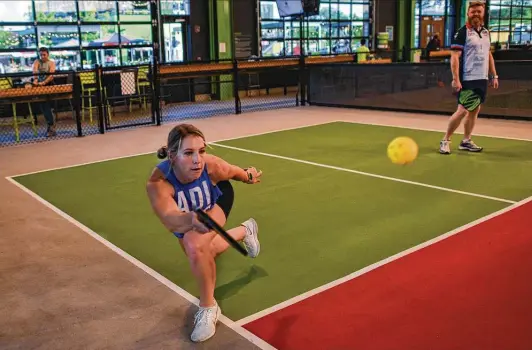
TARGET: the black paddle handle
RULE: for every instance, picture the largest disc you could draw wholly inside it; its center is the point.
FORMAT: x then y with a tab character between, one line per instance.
213	225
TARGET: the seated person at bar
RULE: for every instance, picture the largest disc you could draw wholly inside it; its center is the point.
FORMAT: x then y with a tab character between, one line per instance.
41	66
433	45
362	51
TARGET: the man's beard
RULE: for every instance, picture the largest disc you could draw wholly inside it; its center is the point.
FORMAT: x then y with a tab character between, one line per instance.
475	21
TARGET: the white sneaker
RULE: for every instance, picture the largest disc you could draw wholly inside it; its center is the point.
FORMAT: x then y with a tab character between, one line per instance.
445	147
469	145
205	323
251	240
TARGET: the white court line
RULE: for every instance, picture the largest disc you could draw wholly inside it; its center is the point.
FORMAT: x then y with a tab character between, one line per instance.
172	286
155	151
252	135
366	174
276	130
376	265
428	129
233	325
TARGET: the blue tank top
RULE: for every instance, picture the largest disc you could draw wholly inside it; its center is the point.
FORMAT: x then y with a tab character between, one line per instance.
198	194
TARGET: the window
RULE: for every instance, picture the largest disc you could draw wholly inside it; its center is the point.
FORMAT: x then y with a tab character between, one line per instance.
79	33
433	7
137	56
15	61
65	59
56	11
337	28
135	34
510	21
16	11
175	7
103	57
97	11
99	35
58	36
17	37
434	17
134	11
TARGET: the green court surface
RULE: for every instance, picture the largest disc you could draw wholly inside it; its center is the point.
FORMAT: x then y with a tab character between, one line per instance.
316	224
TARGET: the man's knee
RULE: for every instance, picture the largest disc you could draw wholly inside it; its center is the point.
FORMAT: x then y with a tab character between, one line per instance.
461	112
474	113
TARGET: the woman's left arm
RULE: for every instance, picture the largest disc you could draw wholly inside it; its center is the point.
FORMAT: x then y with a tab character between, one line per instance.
220	170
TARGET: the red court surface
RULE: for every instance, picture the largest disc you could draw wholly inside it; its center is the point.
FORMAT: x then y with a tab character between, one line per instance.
472	290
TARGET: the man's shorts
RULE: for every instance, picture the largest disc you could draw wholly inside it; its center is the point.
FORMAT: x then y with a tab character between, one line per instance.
473	93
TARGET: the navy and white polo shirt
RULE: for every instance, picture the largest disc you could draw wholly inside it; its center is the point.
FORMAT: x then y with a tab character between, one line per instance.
475	46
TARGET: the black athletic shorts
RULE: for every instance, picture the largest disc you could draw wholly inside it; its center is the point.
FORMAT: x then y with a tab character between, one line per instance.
225	201
473	93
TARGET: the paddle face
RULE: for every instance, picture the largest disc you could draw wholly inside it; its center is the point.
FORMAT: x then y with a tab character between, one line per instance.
210	223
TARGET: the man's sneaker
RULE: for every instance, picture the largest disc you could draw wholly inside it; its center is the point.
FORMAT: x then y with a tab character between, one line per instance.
251	240
445	147
468	145
205	323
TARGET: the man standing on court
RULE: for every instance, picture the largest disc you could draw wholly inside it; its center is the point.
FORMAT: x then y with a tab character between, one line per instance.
471	61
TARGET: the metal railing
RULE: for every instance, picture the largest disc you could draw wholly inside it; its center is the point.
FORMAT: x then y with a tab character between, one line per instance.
93	101
106	98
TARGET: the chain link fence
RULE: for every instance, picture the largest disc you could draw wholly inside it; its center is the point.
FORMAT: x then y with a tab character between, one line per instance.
205	89
268	84
126	95
196	90
65	104
105	98
417	87
37	107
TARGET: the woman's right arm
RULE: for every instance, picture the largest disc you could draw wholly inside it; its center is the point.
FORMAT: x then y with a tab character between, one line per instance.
160	193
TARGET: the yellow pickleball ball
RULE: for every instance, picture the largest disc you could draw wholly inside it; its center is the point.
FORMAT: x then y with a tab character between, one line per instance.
402	150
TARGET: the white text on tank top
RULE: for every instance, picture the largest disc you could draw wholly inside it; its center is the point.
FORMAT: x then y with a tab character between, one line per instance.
197	197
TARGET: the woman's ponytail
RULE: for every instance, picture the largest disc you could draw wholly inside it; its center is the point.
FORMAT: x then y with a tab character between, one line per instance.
162	152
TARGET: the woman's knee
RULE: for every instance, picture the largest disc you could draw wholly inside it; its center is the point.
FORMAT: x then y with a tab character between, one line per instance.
218	246
197	246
